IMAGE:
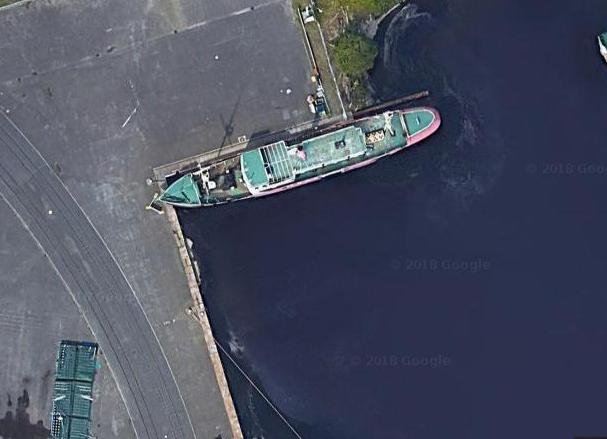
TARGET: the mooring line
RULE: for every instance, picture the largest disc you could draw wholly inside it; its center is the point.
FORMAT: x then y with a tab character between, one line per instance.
272	406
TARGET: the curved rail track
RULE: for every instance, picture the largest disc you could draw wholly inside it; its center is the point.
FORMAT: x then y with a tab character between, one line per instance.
97	284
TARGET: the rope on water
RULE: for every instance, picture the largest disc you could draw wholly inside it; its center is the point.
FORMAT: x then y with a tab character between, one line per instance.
244	374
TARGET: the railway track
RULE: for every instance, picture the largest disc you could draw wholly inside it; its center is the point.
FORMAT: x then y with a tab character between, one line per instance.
97	284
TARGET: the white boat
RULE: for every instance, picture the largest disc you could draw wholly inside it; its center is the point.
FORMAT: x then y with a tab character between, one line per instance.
603	45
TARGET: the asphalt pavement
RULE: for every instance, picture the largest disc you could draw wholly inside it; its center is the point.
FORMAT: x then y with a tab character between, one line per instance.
91	274
106	90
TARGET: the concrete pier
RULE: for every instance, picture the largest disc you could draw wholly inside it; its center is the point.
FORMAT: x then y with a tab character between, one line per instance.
198	311
104	91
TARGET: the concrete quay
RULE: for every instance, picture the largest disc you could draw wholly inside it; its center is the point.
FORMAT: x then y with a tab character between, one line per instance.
98	93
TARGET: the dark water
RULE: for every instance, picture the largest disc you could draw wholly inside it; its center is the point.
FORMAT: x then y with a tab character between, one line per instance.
457	290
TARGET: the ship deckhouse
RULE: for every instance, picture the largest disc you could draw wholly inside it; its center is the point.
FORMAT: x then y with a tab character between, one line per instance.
267	167
277	164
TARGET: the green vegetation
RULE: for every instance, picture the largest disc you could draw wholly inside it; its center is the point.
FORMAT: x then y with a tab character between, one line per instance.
355	9
345	25
6	2
313	32
354	54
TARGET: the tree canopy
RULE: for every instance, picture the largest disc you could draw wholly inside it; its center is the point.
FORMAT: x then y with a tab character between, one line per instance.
354	53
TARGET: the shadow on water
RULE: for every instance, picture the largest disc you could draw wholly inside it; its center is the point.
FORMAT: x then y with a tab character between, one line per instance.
16	424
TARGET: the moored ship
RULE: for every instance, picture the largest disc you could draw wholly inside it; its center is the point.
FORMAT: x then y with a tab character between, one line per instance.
603	45
279	166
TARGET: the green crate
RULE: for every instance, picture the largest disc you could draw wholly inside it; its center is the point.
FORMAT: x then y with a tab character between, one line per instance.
73	390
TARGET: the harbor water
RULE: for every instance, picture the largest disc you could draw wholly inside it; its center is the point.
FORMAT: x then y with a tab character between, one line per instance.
454	290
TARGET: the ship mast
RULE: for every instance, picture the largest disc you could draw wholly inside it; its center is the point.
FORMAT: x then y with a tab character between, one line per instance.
388	123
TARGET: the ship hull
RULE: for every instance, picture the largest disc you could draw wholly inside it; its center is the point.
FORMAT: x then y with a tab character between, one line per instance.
246	174
416	138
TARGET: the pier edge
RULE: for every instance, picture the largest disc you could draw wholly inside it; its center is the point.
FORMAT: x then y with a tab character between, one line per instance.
200	314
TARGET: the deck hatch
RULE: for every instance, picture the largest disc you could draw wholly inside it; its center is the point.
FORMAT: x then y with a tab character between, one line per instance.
277	163
267	166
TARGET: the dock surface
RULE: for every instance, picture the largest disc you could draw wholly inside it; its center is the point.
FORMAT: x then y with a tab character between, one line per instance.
106	91
94	279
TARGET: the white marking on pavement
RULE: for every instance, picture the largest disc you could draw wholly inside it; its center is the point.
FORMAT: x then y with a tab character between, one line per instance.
129	118
233	14
145	41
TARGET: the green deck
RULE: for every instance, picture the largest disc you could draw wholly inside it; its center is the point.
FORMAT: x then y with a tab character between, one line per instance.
329	149
73	390
389	142
182	192
254	169
417	121
348	143
267	165
276	163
